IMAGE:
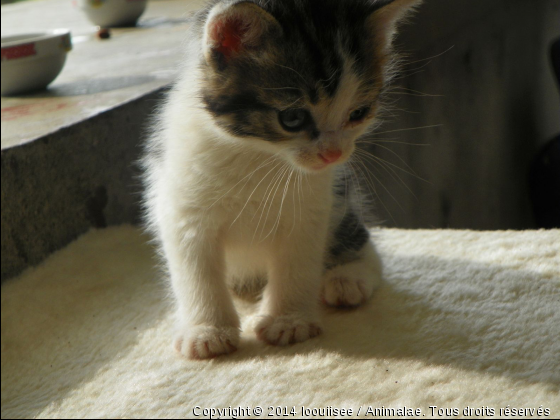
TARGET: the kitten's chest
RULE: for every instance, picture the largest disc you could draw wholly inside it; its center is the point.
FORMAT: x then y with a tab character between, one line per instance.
271	198
263	189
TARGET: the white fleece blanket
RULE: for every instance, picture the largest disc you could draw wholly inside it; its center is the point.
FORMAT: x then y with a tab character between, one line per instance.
464	320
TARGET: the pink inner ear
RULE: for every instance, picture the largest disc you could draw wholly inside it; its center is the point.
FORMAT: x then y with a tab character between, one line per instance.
229	34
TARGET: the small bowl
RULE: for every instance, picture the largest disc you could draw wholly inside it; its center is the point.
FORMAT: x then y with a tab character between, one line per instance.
32	61
113	13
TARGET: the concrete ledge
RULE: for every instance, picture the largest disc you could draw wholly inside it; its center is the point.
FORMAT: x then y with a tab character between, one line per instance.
63	184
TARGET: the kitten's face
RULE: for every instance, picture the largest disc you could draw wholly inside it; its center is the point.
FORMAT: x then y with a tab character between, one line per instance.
298	78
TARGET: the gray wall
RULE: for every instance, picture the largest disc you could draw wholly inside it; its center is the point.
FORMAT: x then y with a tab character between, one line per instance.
498	104
80	177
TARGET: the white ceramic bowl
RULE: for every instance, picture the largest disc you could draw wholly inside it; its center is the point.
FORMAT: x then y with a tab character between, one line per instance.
111	13
32	61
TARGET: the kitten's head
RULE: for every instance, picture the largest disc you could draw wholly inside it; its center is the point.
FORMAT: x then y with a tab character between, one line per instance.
300	78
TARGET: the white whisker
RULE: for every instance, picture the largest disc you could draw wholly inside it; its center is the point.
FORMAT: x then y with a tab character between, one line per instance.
410	129
432	57
265	163
394	175
275	183
368	173
278	183
254	189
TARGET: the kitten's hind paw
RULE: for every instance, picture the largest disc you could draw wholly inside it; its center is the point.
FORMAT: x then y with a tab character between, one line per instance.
206	342
344	292
352	284
286	329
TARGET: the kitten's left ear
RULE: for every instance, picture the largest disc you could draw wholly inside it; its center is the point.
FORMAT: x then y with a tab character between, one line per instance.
384	21
233	30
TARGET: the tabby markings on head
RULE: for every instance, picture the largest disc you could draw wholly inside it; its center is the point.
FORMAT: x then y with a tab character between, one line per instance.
275	59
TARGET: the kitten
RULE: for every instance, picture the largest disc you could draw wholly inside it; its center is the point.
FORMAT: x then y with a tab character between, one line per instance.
245	165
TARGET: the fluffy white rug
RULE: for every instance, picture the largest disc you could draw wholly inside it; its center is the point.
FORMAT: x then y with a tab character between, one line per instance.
464	319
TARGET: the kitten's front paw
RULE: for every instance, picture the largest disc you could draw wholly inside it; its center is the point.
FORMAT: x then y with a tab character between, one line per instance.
345	292
206	342
286	329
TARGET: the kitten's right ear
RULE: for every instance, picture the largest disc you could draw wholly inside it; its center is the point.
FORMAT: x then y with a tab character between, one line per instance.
236	29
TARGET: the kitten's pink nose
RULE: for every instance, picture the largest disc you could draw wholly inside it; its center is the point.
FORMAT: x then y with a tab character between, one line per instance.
330	155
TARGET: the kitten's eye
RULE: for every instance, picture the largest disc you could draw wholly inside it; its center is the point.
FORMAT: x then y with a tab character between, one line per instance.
359	114
294	119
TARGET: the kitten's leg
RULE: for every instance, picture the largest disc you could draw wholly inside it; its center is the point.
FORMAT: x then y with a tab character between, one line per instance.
290	306
353	266
208	324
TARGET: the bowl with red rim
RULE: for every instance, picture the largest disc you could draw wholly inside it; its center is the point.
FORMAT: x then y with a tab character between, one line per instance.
112	13
31	61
